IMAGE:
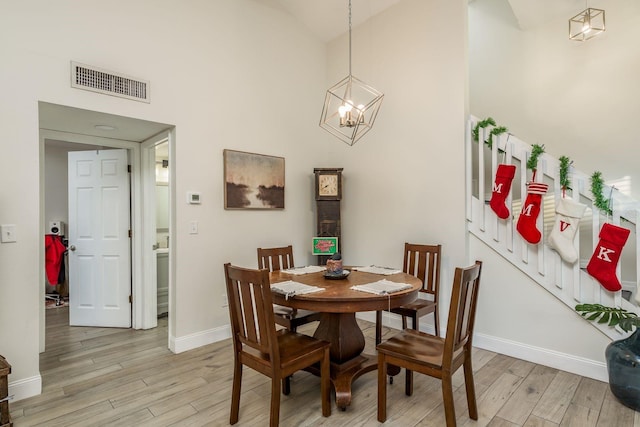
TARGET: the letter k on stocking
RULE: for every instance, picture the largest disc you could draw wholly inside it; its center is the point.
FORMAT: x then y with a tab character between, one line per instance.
604	260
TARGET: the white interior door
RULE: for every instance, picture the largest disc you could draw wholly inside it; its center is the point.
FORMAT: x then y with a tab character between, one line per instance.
99	243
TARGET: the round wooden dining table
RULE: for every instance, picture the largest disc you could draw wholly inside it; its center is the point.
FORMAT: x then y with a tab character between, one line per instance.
339	304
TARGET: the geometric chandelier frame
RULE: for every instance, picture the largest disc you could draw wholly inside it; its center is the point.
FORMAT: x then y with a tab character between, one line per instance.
350	106
587	24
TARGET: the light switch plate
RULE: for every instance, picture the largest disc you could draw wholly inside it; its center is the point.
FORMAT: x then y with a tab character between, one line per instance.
7	233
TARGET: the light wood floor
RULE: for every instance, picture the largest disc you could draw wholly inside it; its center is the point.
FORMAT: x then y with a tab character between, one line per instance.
102	376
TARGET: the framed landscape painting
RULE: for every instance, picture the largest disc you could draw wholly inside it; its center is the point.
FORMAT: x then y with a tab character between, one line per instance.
253	181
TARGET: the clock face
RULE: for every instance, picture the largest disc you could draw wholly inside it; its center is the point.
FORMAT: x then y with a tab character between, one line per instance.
328	185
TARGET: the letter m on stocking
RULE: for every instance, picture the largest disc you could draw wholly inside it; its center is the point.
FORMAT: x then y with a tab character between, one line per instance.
526	210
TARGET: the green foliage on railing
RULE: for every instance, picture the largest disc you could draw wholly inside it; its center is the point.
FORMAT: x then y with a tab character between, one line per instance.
565	182
536	151
497	130
482	124
597	185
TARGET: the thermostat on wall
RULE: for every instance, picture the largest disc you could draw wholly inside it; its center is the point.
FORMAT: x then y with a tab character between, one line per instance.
193	198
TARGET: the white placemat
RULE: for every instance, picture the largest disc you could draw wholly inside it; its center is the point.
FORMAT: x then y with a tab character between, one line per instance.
291	288
382	287
305	270
378	270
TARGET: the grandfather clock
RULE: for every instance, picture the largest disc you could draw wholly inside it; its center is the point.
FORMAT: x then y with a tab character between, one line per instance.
328	196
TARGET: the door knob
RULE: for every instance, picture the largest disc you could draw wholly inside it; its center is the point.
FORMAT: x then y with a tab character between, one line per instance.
72	248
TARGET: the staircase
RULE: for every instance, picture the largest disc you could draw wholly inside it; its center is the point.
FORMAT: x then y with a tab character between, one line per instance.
570	283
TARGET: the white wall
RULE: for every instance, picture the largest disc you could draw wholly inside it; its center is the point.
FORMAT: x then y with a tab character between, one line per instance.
404	181
228	74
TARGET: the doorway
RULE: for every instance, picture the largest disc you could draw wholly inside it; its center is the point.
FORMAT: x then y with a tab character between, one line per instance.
64	129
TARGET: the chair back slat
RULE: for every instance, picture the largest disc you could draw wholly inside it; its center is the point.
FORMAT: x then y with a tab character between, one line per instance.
462	309
274	259
251	307
423	262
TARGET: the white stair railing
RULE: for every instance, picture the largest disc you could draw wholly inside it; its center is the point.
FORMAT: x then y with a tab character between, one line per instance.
570	283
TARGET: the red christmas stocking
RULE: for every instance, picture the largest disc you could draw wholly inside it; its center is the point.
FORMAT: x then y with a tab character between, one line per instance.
530	210
604	260
501	187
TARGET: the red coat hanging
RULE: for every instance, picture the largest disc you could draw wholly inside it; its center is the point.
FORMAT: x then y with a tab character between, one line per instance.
54	256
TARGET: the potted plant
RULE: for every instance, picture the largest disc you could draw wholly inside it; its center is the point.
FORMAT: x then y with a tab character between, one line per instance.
622	356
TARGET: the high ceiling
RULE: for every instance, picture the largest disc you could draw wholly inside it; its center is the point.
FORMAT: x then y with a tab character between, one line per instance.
532	13
326	19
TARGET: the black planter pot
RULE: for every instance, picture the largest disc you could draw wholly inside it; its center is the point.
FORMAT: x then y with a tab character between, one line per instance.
623	363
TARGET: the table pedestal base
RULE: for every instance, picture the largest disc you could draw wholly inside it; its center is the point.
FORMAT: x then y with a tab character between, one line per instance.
347	360
344	374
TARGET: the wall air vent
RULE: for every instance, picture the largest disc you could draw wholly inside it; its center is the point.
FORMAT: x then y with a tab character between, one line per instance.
107	82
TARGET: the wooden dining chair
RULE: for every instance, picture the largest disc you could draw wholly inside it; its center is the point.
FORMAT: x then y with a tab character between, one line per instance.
274	259
257	344
435	356
422	261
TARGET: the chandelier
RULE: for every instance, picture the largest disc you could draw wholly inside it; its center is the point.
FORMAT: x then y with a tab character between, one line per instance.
350	106
587	24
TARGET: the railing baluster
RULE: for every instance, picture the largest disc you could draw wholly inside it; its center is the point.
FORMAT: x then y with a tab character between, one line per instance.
481	194
509	221
468	161
523	195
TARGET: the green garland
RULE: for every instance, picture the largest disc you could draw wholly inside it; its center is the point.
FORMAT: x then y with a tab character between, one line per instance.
565	182
597	185
536	150
498	130
482	124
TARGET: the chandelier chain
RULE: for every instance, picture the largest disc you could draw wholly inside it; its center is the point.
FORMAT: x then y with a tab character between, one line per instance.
349	37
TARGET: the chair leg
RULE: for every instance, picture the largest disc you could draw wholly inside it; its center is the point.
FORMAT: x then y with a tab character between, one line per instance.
378	327
286	382
325	384
235	391
408	379
436	321
382	388
447	397
404	322
274	418
471	388
408	382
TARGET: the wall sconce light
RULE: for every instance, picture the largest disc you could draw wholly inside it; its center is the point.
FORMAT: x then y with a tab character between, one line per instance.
587	24
350	106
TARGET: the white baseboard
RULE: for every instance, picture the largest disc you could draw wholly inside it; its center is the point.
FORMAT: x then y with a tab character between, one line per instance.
27	387
189	342
542	356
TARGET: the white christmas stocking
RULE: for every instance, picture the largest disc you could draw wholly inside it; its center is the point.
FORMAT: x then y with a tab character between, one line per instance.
568	214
